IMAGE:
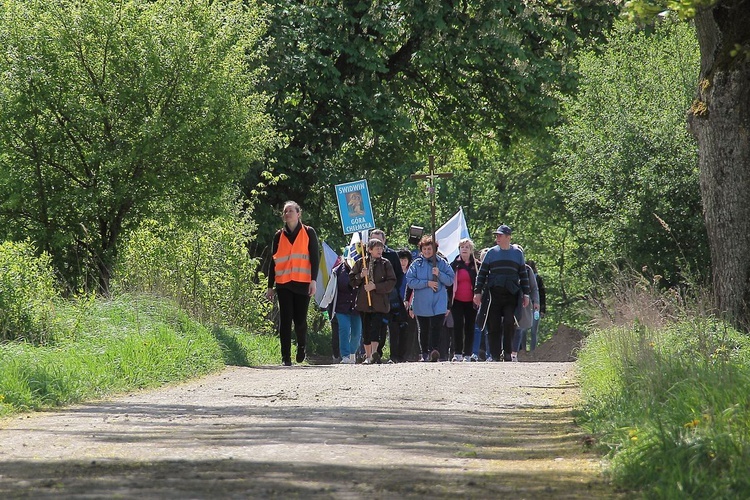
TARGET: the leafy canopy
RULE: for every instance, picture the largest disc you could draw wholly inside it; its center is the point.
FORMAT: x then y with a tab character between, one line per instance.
113	112
364	87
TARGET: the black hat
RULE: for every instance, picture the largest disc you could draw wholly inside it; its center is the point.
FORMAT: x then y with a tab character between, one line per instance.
503	229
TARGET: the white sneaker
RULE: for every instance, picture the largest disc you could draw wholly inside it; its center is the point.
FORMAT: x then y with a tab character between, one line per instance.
473	357
347	360
458	357
489	359
514	358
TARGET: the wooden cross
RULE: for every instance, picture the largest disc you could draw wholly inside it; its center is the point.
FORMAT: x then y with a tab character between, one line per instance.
431	178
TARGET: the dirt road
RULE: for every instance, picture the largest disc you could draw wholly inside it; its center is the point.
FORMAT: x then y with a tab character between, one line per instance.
413	430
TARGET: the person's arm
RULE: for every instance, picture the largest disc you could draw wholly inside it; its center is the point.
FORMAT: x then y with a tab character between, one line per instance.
481	277
412	279
523	277
355	275
542	295
534	289
446	275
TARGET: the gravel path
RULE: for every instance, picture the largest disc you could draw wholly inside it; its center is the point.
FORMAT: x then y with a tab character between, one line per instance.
412	430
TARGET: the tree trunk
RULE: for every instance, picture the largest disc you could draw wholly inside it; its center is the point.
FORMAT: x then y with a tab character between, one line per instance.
720	121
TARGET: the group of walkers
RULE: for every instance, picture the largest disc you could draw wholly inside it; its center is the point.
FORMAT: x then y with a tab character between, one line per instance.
494	296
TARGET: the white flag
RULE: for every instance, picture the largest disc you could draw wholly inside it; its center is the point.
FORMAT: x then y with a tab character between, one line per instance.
450	234
327	261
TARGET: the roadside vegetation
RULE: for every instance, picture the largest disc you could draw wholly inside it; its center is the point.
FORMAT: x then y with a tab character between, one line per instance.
57	351
96	348
666	394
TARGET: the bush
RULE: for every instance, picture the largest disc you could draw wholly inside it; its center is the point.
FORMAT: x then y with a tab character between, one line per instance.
205	269
27	293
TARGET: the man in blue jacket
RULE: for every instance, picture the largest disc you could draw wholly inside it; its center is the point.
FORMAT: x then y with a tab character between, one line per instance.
503	275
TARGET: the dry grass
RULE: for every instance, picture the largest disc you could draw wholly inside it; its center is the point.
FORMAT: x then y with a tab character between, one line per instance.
633	297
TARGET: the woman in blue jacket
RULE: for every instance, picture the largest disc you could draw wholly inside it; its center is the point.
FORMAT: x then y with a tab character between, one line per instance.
429	276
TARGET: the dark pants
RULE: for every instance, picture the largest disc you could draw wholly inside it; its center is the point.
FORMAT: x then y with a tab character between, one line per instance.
292	308
429	328
501	322
464	316
395	330
371	324
410	348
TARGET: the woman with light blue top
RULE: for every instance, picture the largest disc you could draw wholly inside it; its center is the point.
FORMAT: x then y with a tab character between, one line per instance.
429	276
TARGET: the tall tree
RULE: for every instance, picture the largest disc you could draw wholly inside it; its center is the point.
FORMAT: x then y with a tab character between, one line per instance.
627	162
418	76
111	112
719	118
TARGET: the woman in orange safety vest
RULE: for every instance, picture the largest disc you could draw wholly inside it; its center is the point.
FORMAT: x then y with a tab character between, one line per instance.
293	270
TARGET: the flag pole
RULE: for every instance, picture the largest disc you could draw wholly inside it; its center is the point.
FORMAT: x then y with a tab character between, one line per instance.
364	264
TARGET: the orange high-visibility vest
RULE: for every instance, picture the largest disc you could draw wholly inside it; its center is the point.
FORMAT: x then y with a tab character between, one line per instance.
292	262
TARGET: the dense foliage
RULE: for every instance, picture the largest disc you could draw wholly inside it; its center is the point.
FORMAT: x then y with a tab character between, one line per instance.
112	113
204	268
626	164
670	407
27	291
370	89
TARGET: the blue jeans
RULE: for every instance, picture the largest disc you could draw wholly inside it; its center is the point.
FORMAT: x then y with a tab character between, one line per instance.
350	333
480	337
534	334
521	335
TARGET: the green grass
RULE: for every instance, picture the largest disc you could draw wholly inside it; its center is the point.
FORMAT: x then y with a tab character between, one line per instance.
671	407
102	347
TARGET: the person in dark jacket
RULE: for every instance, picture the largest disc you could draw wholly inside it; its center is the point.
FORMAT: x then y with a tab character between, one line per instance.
503	275
293	271
340	297
396	317
374	279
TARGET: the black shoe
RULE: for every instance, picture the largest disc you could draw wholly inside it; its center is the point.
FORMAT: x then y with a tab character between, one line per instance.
375	358
300	353
434	355
286	362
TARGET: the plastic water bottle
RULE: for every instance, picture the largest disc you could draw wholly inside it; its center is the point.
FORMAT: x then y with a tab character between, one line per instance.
536	315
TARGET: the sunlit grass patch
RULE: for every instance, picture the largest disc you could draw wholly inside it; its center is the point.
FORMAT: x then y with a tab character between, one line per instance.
671	406
109	346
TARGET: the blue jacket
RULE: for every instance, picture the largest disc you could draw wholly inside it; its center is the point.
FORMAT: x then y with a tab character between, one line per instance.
425	301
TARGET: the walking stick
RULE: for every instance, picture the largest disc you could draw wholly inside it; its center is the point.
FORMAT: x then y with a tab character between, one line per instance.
364	261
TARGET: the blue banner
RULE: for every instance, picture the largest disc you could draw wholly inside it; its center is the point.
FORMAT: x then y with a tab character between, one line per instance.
354	206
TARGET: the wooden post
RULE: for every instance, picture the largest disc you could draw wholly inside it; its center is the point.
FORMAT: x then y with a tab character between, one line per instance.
431	189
